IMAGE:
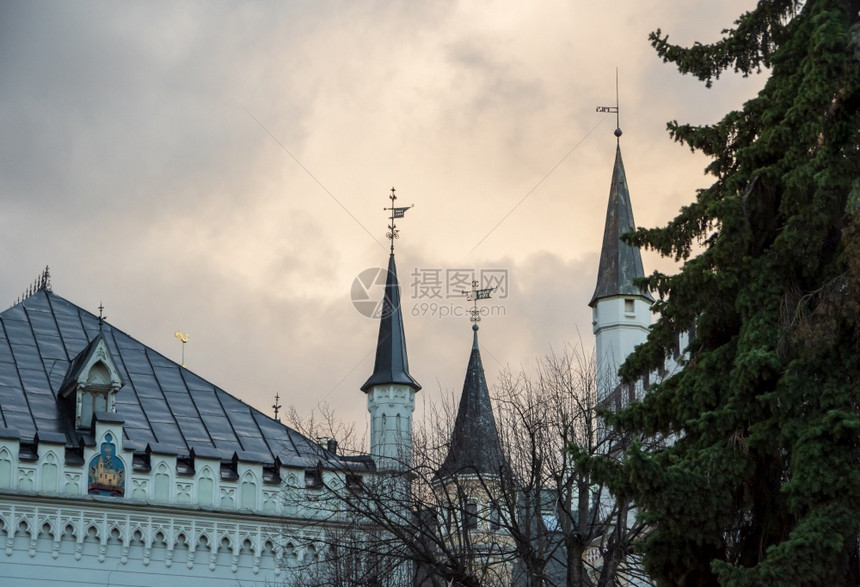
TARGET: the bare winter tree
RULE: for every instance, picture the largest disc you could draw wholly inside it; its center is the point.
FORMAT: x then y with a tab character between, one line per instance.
403	527
571	530
532	519
323	425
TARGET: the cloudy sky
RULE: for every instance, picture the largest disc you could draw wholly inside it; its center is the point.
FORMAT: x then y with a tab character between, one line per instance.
221	168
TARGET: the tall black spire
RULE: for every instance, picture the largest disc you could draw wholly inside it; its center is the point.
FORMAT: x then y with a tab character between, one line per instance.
620	263
475	447
392	364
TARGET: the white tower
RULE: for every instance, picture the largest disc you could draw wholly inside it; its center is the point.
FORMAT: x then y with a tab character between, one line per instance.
621	311
391	389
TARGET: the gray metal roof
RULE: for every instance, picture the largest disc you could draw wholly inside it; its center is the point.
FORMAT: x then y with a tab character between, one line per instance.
392	364
161	403
620	263
474	447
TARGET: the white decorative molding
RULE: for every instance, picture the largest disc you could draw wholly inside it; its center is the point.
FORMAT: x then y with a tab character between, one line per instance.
26	478
132	535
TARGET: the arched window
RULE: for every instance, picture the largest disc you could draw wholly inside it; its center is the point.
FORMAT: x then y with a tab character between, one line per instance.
162	483
206	487
5	468
86	417
91	383
50	473
93	395
249	492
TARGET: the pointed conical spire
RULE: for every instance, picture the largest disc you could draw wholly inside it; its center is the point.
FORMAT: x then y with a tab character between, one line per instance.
392	364
475	447
620	263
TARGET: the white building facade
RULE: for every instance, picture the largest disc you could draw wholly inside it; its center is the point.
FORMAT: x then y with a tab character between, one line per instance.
121	467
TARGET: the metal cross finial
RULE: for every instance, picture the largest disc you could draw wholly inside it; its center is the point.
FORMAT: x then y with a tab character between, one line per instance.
102	317
277	406
396	212
473	296
614	109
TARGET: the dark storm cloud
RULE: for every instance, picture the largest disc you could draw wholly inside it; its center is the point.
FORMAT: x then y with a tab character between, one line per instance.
105	105
216	167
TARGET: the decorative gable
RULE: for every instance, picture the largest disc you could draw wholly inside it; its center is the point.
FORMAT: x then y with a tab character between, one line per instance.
92	381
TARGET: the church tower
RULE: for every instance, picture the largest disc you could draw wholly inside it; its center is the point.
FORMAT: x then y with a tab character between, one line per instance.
391	389
474	448
621	311
472	482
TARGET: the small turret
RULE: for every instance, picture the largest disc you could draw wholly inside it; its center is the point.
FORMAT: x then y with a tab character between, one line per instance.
391	389
621	309
474	448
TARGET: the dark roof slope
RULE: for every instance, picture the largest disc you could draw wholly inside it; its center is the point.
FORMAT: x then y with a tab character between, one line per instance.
162	403
474	448
620	263
392	364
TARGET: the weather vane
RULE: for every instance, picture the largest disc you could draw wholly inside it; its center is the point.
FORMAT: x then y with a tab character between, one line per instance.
474	295
614	109
277	406
396	213
183	337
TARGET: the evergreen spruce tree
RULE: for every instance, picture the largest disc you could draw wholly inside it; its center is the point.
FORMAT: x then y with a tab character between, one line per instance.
759	482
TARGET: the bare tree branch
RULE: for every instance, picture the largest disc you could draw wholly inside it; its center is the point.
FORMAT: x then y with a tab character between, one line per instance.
539	520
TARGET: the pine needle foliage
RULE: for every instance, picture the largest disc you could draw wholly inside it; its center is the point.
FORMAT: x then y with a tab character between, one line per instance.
759	480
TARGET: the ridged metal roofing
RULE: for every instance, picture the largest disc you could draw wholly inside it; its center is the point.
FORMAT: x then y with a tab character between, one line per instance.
620	263
474	448
162	404
392	363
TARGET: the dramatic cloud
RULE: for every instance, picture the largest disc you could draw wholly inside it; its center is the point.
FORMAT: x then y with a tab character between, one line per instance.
220	168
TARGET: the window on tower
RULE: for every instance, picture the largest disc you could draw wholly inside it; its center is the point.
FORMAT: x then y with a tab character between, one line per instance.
471	515
629	308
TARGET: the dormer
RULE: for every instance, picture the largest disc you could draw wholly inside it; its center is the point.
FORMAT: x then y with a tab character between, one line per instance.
91	383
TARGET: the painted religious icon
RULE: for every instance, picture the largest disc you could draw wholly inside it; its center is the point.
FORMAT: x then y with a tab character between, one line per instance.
107	471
